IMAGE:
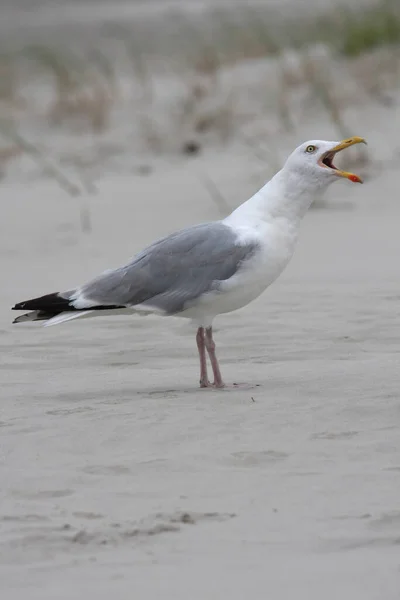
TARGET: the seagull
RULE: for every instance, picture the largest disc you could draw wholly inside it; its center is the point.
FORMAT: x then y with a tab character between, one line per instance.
211	268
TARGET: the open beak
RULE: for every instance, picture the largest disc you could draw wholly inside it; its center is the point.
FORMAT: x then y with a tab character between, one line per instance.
326	159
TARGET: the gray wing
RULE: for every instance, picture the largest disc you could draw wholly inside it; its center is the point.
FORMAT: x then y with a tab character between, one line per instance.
171	273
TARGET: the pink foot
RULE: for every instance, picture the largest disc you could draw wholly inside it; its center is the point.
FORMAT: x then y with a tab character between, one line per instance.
205	384
219	385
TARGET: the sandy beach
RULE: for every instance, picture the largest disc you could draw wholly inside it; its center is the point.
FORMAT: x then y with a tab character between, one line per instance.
121	478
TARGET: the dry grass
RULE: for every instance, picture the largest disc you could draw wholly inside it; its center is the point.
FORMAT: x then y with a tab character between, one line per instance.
82	88
204	97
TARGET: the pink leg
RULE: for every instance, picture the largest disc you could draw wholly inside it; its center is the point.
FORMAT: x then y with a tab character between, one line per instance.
210	345
203	360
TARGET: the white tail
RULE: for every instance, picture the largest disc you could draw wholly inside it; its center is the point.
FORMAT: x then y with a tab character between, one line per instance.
66	316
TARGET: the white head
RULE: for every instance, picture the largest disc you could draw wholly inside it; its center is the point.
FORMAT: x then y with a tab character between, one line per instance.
306	174
312	162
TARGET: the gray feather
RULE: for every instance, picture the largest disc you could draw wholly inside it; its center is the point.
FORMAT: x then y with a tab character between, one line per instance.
174	271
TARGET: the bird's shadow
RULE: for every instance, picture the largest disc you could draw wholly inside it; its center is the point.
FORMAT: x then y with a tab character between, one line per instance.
175	392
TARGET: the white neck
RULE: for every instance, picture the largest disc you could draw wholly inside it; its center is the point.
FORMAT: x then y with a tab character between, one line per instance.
286	196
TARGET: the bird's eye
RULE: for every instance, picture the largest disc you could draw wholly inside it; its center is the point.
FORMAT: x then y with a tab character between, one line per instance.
311	149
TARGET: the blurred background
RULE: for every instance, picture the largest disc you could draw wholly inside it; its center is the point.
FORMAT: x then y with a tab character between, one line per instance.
99	87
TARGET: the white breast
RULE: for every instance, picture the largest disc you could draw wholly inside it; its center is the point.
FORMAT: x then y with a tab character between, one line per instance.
276	247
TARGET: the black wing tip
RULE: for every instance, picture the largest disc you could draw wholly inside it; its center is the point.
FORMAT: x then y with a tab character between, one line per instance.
31	316
19	306
55	304
49	301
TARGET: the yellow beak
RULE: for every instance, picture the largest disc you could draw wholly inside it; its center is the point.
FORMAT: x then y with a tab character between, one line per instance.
349	142
346	144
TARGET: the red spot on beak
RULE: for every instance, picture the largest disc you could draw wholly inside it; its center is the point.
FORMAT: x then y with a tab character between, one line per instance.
355	178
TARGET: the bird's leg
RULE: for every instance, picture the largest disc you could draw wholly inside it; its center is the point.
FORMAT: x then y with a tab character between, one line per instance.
210	345
202	355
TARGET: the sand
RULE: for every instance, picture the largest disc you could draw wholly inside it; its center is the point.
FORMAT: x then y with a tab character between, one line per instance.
121	478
